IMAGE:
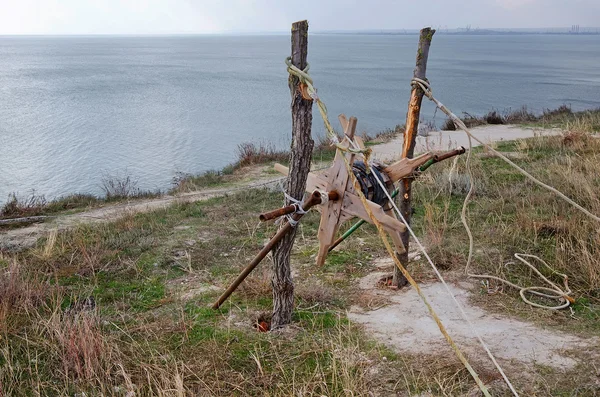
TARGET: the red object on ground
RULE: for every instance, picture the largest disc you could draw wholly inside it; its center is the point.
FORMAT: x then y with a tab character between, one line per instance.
263	326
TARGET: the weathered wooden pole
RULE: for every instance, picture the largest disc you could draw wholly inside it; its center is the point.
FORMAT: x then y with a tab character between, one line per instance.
300	159
408	148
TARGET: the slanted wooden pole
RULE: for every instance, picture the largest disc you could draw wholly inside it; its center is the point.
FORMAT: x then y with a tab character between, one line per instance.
408	148
300	159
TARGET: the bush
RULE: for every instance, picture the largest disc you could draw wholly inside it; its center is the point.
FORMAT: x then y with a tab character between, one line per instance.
119	187
521	115
562	110
448	125
493	117
472	121
249	153
17	207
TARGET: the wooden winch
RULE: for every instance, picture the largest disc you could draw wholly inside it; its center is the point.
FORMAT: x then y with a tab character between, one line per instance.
349	205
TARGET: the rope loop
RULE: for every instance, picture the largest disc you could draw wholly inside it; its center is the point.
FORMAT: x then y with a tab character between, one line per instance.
423	84
324	197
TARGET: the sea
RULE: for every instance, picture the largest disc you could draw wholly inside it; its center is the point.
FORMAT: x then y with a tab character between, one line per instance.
77	110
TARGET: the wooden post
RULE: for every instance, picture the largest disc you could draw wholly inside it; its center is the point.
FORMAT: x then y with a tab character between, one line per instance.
408	147
300	159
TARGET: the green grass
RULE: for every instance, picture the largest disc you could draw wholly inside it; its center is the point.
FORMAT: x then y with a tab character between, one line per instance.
151	276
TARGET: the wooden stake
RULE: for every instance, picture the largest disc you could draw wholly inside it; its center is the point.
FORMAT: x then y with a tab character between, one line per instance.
408	147
300	159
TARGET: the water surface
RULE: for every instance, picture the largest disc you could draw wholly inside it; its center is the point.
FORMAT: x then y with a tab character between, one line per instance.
75	109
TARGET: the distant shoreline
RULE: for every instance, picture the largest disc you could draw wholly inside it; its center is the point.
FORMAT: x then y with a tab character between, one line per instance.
408	32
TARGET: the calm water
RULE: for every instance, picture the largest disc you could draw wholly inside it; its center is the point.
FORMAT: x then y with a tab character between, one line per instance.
73	110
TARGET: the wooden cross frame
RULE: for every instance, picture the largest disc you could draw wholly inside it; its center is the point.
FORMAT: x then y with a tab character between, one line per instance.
336	178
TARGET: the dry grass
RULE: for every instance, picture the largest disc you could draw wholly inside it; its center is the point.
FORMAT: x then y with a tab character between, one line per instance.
509	214
249	153
141	338
23	206
561	117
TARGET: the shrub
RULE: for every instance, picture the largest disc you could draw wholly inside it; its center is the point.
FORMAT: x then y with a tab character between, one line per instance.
562	110
493	117
521	115
448	125
249	153
472	121
17	207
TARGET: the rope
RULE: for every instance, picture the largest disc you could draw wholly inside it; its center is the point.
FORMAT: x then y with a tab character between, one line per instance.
353	147
462	311
424	85
556	292
307	81
368	186
413	283
297	209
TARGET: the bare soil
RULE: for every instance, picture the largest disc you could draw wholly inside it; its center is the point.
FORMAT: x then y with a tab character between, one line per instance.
404	324
447	140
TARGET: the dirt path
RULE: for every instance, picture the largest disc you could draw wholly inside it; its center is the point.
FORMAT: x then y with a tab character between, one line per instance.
446	140
404	324
20	238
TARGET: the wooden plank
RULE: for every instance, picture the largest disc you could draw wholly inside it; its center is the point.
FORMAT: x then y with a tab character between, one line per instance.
313	181
396	235
405	167
338	180
352	205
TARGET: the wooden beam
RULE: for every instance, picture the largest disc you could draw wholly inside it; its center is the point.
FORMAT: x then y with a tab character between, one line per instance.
338	178
300	159
408	146
406	166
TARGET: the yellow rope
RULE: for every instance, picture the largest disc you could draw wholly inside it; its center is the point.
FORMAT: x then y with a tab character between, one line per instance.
424	85
412	282
556	292
352	147
305	79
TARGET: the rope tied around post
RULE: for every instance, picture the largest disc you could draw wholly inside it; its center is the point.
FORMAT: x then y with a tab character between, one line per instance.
297	210
426	87
309	92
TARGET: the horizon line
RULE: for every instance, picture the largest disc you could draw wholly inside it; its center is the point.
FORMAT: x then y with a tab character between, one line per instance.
400	31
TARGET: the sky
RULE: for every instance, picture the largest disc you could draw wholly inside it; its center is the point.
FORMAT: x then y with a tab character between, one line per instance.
59	17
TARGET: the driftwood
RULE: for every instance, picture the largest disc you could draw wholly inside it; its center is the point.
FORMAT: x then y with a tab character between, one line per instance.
27	219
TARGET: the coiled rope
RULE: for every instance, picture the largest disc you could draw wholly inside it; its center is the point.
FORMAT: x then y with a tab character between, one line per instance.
552	292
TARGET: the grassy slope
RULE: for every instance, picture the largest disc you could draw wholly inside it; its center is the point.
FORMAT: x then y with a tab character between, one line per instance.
153	332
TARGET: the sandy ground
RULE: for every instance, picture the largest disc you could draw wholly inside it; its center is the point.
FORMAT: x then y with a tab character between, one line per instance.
404	324
447	140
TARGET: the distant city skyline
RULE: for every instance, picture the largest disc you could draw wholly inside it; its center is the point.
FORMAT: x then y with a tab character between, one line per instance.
59	17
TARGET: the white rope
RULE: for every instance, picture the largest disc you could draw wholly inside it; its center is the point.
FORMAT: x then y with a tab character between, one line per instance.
439	275
556	292
424	85
298	209
324	197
